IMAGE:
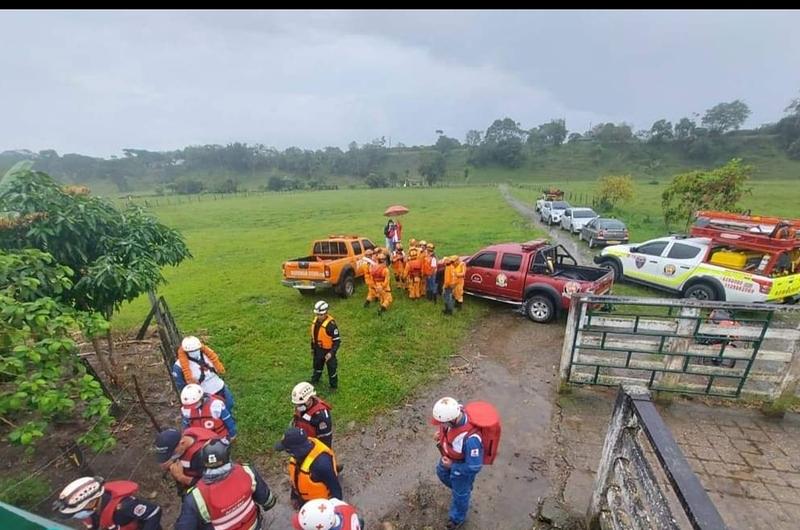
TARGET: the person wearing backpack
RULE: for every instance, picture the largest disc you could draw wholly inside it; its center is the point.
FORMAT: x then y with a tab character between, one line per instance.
467	438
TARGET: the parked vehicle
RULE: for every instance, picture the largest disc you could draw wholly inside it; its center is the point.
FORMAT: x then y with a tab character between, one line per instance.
604	231
553	194
574	219
332	263
726	262
537	276
552	211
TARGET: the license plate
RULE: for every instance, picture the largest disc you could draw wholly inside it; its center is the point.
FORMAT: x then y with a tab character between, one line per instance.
613	242
300	273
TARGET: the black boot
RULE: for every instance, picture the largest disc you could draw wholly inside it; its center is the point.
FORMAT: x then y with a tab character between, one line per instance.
459	305
366	304
381	311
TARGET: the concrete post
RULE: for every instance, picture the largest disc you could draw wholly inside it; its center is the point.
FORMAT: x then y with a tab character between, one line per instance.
686	326
574	318
787	389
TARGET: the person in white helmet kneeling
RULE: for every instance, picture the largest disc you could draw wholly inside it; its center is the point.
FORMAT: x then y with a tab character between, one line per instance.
330	514
197	363
100	505
325	342
206	411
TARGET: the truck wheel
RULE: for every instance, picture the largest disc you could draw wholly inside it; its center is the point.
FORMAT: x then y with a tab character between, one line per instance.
701	291
614	267
347	286
539	308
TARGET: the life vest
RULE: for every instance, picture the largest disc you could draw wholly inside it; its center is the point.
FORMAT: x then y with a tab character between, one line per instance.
450	279
323	340
483	420
205	371
415	268
461	271
228	504
300	476
303	421
427	265
365	270
201	438
378	273
202	417
119	490
347	516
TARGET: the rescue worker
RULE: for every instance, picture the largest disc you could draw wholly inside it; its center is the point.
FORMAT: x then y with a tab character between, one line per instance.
365	264
327	514
461	274
199	364
381	282
111	505
423	254
325	342
462	456
312	467
230	496
399	265
412	244
207	411
429	270
179	453
450	282
312	414
413	274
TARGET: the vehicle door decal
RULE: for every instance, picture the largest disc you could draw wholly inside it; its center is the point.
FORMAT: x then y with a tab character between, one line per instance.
501	280
640	261
476	278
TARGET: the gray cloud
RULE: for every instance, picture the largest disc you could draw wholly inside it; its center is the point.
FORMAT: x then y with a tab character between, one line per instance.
96	82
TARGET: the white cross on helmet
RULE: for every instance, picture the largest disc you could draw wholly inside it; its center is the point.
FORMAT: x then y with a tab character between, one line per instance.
446	409
321	307
317	514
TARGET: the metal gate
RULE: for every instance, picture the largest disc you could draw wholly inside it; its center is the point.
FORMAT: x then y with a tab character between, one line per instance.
168	332
673	345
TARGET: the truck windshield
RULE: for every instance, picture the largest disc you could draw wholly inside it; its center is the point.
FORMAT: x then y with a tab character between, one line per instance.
559	205
583	214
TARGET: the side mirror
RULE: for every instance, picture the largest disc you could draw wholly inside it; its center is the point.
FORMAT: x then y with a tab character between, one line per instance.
634	249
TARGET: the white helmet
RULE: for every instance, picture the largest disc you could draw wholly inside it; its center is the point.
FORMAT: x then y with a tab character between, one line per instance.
191	343
446	409
321	307
78	494
317	514
302	392
191	394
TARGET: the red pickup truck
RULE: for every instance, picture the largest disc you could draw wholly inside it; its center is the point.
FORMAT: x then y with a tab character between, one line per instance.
535	275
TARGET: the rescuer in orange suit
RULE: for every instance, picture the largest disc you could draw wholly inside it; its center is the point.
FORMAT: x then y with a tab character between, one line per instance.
449	285
381	282
399	264
364	267
461	274
413	274
423	257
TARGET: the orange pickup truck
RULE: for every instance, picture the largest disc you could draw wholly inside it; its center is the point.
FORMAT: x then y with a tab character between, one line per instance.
333	263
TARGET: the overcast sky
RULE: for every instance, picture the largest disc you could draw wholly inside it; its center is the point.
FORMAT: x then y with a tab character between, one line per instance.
97	82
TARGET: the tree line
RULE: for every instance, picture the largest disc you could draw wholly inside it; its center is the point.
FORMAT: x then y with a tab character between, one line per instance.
505	143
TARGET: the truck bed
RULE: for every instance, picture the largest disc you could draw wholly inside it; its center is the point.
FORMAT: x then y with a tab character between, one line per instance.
578	273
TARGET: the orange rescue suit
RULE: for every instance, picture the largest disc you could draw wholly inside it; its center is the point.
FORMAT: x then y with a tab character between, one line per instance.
461	273
383	290
413	274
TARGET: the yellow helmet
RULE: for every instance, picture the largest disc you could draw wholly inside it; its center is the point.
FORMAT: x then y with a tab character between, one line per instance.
412	242
423	243
399	246
431	246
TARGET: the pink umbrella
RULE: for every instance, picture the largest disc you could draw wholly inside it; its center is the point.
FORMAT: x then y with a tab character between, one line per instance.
397	209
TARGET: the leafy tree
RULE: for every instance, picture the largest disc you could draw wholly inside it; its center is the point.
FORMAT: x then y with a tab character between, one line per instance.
42	378
684	129
115	255
445	144
377	181
660	132
717	189
554	132
614	189
609	133
188	186
275	183
229	185
502	144
433	167
726	116
473	138
574	137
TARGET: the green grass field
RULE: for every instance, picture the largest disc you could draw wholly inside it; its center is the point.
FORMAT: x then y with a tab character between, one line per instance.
231	292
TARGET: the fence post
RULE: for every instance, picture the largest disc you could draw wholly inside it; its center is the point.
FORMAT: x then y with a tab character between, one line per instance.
620	420
574	319
788	386
685	327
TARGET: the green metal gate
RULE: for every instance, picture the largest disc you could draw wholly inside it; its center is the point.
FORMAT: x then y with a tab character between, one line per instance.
665	344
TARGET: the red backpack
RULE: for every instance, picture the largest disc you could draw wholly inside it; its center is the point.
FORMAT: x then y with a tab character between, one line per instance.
486	419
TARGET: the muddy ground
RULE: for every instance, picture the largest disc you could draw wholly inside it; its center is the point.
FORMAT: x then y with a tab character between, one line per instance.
389	464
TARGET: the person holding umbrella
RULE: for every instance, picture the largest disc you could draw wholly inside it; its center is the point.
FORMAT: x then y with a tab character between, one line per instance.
394	230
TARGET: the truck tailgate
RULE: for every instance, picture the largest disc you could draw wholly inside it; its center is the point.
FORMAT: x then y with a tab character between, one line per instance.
305	270
784	286
603	285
